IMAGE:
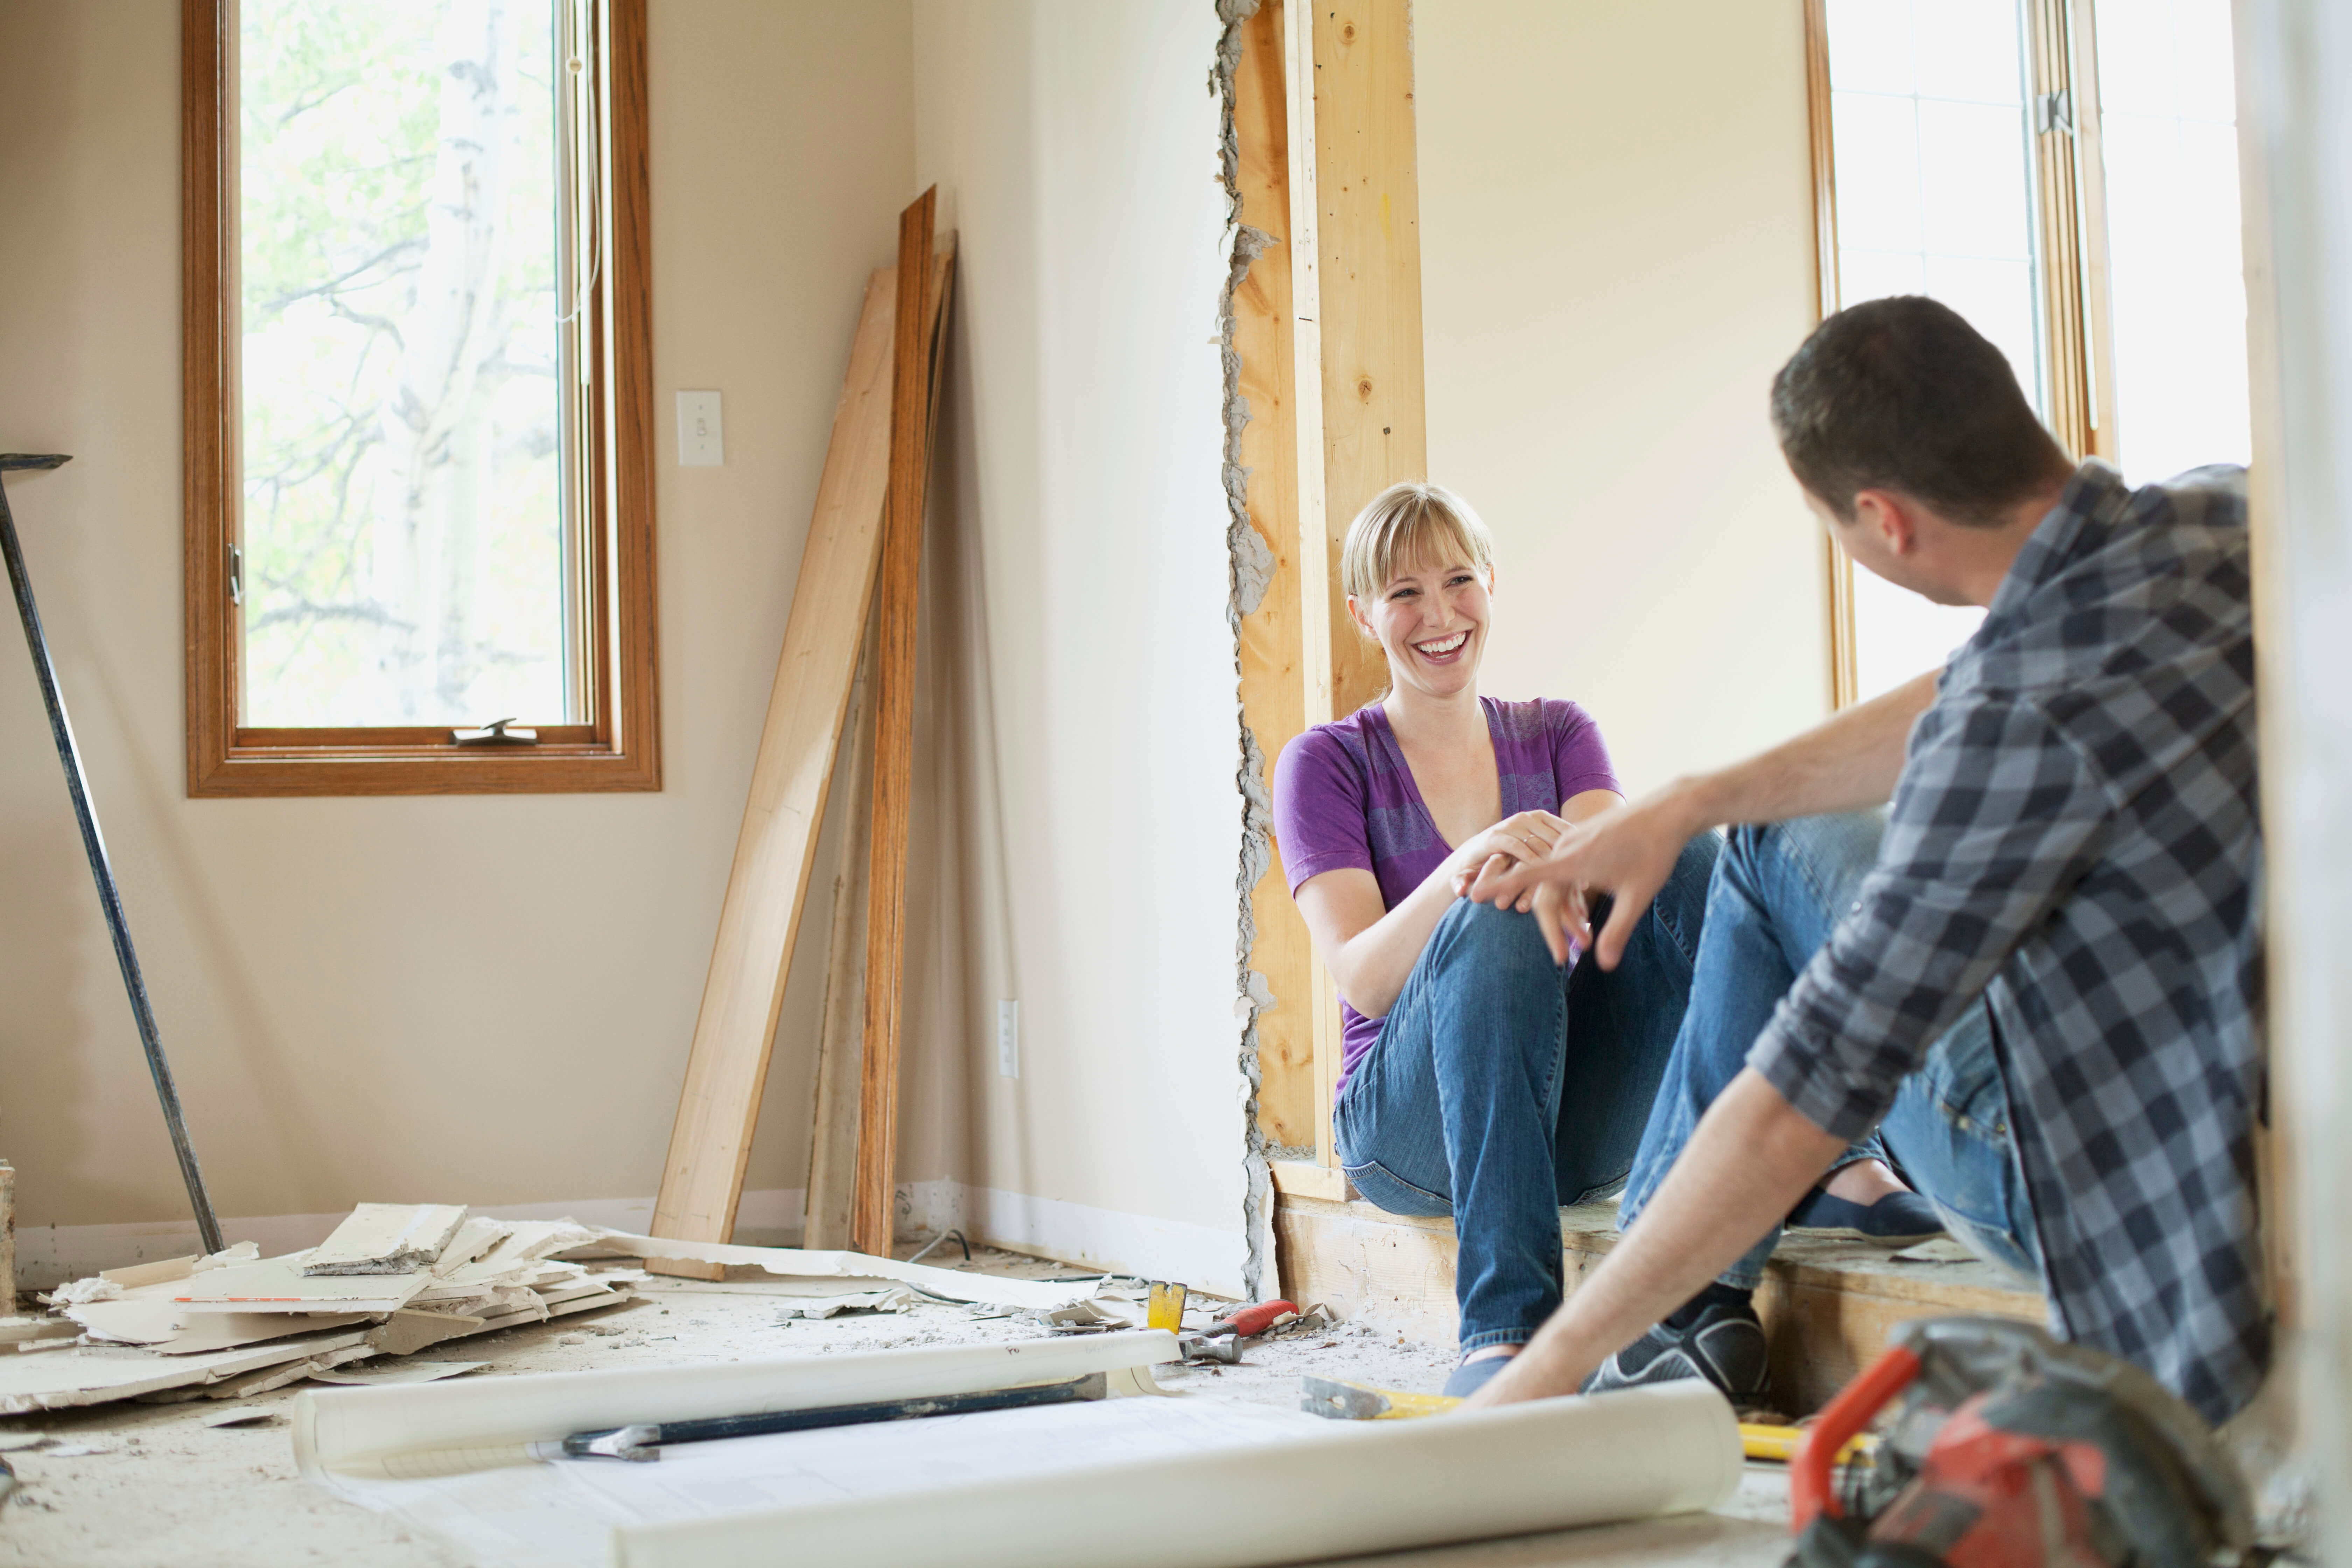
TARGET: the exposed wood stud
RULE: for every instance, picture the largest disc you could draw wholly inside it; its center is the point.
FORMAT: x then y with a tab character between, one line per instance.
1273	693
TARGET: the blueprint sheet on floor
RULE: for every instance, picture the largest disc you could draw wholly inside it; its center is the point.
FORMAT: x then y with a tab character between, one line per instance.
562	1514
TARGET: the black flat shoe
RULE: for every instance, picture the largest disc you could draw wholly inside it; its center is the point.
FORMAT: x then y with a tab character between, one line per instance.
1898	1220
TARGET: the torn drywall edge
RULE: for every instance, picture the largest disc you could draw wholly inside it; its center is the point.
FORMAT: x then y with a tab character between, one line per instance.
1253	567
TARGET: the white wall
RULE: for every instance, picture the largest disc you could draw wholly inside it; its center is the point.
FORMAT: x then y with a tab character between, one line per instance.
2297	127
1616	255
479	999
1075	150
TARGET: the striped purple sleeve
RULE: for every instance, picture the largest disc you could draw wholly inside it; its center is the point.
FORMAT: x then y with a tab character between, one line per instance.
1580	758
1321	809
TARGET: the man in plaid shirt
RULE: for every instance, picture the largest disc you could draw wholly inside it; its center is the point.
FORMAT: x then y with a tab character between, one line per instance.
2037	980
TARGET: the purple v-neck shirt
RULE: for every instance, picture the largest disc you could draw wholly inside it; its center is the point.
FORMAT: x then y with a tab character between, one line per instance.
1344	797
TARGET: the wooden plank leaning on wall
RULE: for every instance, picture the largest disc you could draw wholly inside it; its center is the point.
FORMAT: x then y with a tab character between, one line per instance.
1332	173
767	887
914	404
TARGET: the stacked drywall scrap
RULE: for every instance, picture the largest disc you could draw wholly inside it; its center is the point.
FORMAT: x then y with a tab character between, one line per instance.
392	1280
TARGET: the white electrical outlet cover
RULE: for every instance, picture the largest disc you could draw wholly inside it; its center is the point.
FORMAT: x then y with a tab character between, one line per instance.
701	431
1008	1037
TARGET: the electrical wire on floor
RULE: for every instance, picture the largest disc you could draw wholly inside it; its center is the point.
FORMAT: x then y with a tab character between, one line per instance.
932	1245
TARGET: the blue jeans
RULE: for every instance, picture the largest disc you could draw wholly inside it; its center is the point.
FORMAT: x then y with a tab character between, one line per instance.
1502	1087
1778	891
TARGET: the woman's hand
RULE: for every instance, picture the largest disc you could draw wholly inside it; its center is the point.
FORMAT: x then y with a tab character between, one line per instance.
1514	841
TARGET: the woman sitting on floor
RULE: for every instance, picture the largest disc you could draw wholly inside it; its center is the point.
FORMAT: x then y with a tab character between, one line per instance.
1477	1079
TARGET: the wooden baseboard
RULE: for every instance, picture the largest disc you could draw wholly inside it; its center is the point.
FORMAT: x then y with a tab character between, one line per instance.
1827	1306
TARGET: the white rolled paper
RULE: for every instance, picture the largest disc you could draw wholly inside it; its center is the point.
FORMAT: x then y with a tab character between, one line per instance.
1362	1487
445	1428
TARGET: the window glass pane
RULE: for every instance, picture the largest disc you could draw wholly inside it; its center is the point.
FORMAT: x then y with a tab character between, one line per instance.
403	529
1934	160
2176	272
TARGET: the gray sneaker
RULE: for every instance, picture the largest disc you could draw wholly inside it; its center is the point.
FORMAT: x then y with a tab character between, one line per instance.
1723	1344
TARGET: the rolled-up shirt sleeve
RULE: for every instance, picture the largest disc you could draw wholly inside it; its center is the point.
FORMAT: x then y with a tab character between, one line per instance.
1996	818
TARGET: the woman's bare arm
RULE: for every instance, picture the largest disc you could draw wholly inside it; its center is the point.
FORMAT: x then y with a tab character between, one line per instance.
1371	950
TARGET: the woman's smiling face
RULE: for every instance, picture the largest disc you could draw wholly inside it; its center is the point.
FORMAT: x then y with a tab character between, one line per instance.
1432	621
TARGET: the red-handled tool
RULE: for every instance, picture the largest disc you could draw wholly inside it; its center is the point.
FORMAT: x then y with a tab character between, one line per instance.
1812	1483
1252	1320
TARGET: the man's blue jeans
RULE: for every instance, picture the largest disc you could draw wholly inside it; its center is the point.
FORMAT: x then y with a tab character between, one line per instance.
1778	891
1503	1087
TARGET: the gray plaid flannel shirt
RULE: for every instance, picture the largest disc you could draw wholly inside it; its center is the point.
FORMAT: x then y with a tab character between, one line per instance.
2074	841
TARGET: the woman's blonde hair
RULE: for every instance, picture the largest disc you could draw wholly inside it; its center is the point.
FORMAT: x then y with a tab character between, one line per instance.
1408	522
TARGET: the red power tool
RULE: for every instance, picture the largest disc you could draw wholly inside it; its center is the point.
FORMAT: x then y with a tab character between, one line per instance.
2007	1448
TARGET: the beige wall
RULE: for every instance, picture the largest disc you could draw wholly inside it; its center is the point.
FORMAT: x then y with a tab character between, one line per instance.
489	1000
1617	254
1076	151
477	999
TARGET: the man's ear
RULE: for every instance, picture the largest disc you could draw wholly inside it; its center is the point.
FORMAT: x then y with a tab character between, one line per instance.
1889	517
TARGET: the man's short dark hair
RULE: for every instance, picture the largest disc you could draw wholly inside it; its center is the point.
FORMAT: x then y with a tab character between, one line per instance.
1902	394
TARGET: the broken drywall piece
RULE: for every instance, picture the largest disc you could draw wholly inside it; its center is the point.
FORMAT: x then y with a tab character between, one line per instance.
226	1331
280	1285
93	1375
130	1322
270	1378
897	1298
233	1417
96	1287
405	1333
845	1285
387	1239
241	1252
474	1239
154	1273
947	1284
23	1331
405	1372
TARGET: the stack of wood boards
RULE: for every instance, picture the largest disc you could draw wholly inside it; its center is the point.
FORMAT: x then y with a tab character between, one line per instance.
859	574
391	1281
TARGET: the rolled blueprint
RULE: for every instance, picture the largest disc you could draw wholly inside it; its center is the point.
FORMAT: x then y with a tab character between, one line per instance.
1361	1487
449	1429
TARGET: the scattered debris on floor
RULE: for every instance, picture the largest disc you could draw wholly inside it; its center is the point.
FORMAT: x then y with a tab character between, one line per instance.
393	1279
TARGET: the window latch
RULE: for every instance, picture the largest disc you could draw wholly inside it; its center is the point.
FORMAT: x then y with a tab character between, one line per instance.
235	574
2054	111
498	731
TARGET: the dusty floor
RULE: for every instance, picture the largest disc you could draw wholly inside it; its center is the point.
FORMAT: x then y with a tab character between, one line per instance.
143	1486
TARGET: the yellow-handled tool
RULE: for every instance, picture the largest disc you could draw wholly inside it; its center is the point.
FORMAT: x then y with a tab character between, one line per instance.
1361	1402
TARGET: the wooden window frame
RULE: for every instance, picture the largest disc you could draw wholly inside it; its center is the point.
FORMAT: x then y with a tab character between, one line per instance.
2070	226
619	747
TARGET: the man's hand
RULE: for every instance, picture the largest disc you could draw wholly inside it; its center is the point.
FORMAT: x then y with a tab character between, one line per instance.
1627	853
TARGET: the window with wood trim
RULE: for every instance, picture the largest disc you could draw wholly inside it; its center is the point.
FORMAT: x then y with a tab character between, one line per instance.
417	382
2063	174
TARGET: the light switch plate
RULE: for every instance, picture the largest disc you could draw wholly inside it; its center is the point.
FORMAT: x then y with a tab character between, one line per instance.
1008	1037
702	434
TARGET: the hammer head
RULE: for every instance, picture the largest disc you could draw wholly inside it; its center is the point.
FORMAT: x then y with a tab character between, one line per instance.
11	461
1200	1348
